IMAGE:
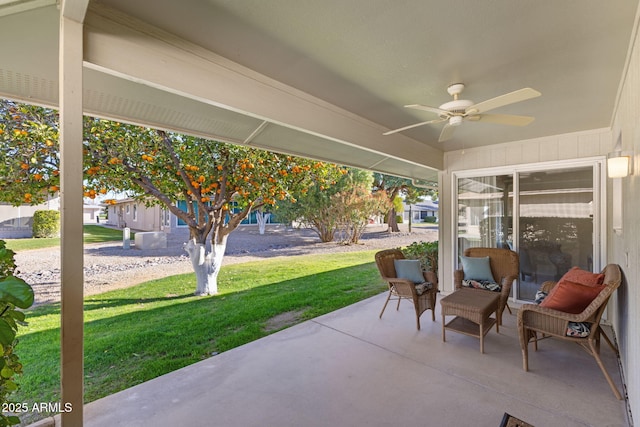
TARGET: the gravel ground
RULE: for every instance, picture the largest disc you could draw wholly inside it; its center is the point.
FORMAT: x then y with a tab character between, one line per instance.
108	266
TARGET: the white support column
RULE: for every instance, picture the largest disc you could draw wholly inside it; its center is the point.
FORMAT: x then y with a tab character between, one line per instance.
72	316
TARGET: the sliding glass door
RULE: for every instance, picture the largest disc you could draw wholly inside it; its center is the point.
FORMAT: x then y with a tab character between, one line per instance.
556	225
548	216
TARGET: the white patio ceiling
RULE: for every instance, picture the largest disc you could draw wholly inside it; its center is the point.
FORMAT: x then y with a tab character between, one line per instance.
325	78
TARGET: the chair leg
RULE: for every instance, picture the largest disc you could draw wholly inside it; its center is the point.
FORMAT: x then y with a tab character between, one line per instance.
416	307
525	356
433	308
525	336
398	306
508	308
606	338
604	371
385	304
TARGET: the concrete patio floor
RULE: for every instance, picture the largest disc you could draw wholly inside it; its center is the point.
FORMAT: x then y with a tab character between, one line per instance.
349	368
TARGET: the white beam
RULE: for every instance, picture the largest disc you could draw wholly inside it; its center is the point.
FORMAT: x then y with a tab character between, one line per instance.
75	10
119	45
72	280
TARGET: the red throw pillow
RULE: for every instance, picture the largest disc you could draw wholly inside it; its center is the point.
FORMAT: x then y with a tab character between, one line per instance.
571	297
583	277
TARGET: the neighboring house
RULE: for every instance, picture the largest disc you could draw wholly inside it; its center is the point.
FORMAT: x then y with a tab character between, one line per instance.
16	221
90	213
135	215
420	211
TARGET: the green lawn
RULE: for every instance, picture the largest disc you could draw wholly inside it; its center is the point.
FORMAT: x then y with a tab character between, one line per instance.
136	334
92	234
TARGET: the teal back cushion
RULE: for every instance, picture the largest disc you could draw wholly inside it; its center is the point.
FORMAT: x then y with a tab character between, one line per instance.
409	269
477	268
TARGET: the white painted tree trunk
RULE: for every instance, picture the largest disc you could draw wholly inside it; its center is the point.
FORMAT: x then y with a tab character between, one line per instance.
206	265
262	219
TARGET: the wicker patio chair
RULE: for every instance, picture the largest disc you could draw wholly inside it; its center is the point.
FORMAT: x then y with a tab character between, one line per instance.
533	318
505	267
405	289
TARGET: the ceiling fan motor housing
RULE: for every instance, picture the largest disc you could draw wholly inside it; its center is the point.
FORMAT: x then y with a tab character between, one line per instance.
458	106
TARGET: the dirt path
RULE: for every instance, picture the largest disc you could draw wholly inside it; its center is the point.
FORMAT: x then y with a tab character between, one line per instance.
108	266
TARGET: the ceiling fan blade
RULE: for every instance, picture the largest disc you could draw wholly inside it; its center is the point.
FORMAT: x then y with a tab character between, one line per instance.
415	125
504	119
502	100
426	108
447	132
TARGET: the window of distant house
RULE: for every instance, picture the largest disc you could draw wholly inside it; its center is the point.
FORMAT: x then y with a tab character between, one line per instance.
135	212
127	210
166	218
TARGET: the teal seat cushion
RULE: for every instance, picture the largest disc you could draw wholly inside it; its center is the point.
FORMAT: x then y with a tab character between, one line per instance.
409	269
477	268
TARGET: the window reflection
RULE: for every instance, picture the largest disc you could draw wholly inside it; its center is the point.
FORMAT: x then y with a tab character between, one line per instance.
556	225
485	206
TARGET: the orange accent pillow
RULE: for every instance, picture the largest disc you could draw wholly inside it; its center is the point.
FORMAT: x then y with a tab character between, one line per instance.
583	277
571	297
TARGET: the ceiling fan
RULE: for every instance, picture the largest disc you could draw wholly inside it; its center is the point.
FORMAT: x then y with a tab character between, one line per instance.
456	111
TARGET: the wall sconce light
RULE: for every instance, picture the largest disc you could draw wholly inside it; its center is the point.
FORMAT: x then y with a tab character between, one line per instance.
619	163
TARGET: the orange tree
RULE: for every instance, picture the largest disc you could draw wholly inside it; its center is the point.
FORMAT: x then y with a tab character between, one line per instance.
29	160
220	183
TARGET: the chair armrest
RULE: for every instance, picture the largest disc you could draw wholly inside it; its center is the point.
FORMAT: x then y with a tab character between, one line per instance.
403	287
536	308
458	276
506	284
432	278
547	320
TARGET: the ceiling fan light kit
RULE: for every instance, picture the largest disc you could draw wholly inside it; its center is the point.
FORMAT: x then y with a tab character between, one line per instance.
456	111
455	121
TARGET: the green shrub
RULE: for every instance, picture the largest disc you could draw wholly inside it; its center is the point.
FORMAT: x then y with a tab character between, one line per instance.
399	219
431	219
14	293
46	224
426	252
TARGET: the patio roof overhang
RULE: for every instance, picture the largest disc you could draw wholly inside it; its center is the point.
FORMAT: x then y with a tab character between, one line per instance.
133	72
